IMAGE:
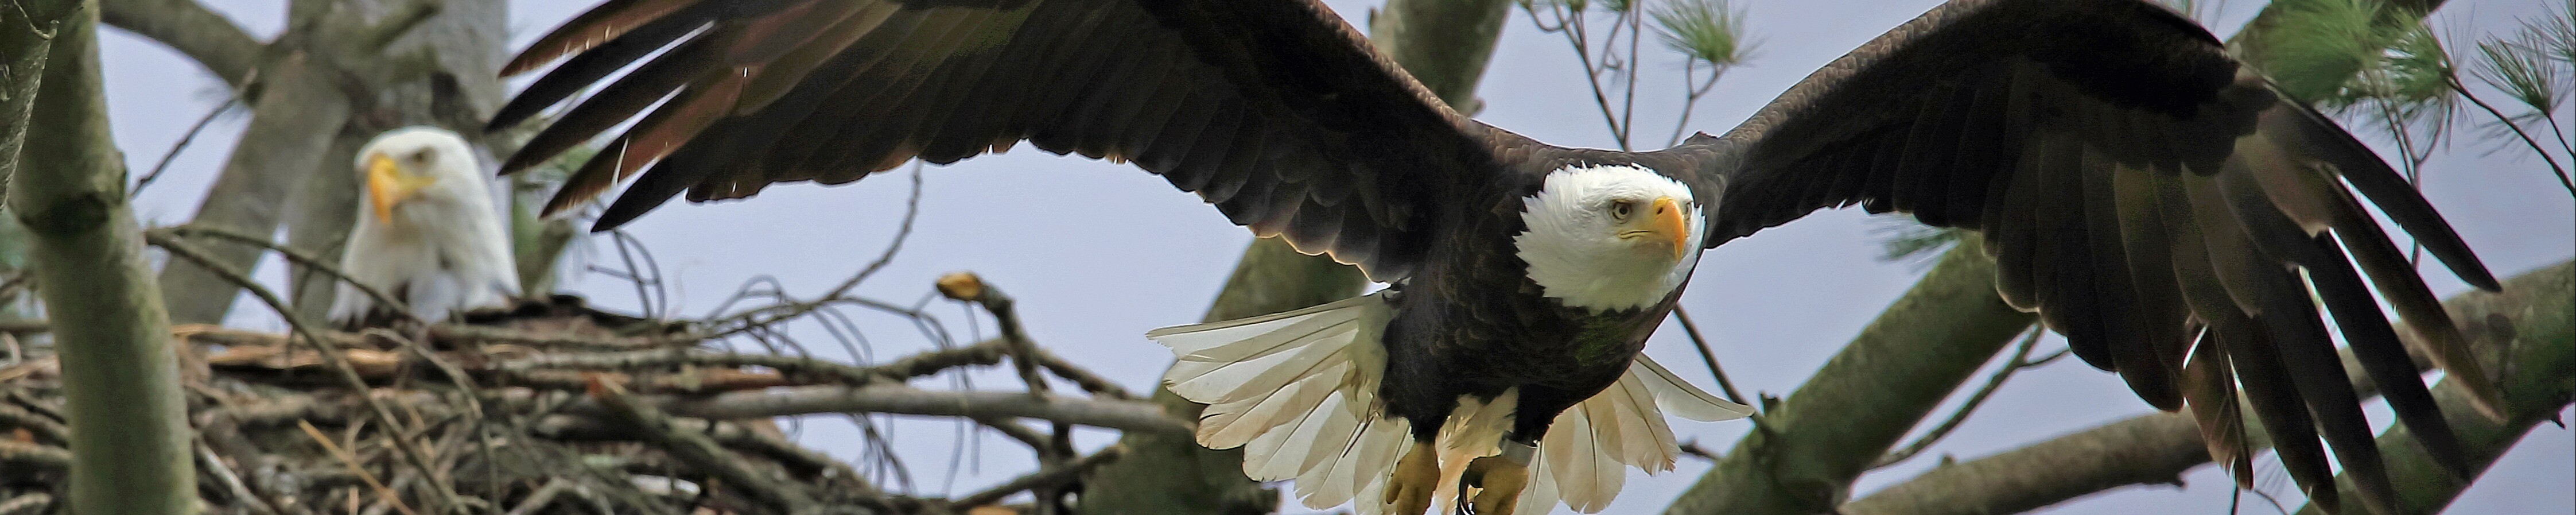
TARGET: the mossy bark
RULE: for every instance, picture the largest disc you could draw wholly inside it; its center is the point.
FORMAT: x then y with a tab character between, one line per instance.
129	440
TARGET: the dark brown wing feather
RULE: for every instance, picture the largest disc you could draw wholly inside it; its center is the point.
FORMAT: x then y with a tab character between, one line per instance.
1275	111
2147	198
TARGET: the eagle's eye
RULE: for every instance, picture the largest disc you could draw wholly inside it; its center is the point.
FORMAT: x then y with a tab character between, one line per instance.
1621	209
424	156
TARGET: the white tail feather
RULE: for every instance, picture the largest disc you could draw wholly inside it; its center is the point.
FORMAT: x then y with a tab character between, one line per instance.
1298	391
1679	397
1579	460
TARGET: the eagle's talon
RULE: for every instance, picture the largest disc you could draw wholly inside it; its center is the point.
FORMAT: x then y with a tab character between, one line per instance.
1499	480
1408	492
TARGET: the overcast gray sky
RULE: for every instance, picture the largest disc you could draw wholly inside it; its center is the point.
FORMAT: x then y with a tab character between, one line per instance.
1099	253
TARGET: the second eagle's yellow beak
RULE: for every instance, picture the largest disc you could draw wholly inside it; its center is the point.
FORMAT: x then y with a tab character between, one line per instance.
1670	225
387	185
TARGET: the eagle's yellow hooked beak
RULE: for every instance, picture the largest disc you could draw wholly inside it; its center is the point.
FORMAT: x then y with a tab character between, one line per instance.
388	185
1670	225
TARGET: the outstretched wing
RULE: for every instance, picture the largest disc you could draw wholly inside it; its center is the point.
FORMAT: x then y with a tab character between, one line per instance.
1275	111
2142	192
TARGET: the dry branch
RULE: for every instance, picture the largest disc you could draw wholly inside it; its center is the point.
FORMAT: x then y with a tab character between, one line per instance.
1133	416
205	36
697	450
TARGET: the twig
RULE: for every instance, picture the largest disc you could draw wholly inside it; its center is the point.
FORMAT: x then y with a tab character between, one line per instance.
1089	381
182	145
213	465
965	286
29	504
900	399
2527	140
1051	477
21	456
45	429
25	326
1015	431
695	449
926	363
1706	356
383	493
299	258
543	496
751	317
2020	360
406	446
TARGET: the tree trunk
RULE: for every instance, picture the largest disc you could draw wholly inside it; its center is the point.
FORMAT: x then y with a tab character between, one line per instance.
1446	45
344	72
298	110
438	73
129	435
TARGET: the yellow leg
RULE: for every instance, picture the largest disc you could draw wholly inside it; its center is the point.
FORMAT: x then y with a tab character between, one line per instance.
1501	480
1408	492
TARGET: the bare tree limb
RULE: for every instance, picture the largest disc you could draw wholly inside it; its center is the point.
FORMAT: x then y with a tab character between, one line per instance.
20	456
406	446
2157	448
292	122
128	418
2020	360
29	504
1132	416
1814	444
205	36
693	447
1051	477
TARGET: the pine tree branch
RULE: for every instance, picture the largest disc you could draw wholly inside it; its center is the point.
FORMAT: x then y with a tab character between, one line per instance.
129	433
2157	448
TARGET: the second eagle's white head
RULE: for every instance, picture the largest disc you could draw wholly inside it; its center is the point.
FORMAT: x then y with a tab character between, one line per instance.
427	231
1610	237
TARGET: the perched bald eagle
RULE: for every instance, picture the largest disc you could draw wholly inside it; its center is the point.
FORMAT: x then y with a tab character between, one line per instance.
427	232
2152	199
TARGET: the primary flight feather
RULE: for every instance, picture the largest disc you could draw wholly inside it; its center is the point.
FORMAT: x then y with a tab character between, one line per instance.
2150	197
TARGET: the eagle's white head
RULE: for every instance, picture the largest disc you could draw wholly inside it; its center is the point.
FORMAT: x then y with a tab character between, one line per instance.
428	231
419	165
1610	237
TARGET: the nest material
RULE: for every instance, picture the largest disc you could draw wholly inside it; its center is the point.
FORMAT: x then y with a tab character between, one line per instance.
547	408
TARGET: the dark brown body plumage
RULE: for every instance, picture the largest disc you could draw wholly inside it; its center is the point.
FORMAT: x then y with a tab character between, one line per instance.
2151	199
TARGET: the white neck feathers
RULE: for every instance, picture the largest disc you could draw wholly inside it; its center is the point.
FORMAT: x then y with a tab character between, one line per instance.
1575	249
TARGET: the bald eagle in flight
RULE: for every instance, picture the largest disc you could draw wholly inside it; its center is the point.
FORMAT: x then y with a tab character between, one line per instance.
2151	198
427	232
